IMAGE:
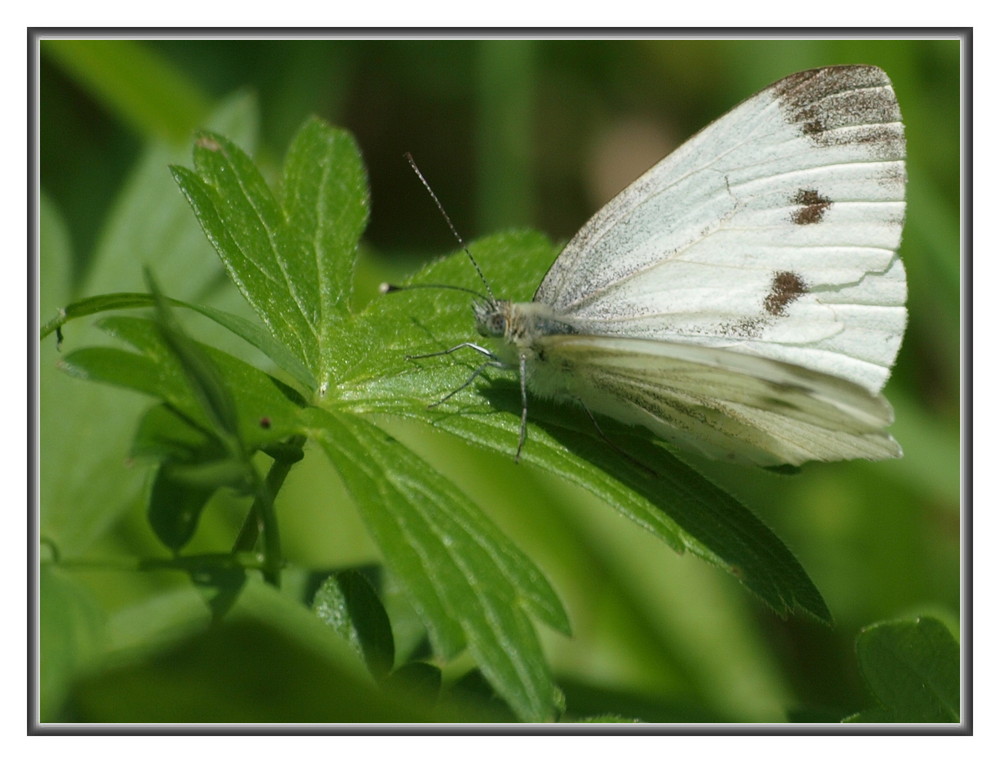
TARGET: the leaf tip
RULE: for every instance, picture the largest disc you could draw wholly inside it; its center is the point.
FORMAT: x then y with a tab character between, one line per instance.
207	141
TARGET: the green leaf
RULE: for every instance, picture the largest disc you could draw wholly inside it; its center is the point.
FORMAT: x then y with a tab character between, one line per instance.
175	501
471	587
255	335
325	196
913	670
174	507
204	379
251	332
244	241
469	584
347	602
122	368
292	263
662	494
157	373
163	435
84	430
195	381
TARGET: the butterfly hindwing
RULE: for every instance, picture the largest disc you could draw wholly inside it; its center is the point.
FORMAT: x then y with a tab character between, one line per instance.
725	405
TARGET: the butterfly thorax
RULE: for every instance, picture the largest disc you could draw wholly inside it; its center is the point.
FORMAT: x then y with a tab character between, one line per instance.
518	323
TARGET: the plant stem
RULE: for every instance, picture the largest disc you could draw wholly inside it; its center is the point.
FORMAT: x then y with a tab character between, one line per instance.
262	520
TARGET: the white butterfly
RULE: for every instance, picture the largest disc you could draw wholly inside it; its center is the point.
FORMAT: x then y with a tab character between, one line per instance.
743	299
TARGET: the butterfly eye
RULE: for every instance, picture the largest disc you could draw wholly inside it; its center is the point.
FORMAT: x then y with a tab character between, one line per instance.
490	319
492	324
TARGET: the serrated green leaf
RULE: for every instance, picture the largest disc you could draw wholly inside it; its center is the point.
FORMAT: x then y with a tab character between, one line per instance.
242	220
663	494
292	263
468	583
325	196
913	670
347	602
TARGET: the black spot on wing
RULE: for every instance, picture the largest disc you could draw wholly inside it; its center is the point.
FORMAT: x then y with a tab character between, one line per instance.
786	287
811	207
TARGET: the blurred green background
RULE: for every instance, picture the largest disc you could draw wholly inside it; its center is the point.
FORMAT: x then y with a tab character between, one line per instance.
525	133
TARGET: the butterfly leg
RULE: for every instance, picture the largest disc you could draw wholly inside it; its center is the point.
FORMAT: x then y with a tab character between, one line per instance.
493	362
462	346
523	368
475	374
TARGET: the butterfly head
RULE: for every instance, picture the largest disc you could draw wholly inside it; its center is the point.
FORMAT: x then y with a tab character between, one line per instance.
492	317
518	323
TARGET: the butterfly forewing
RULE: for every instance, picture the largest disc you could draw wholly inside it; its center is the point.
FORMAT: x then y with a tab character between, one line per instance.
771	232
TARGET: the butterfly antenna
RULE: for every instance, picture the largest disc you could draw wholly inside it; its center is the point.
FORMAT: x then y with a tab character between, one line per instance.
389	288
447	219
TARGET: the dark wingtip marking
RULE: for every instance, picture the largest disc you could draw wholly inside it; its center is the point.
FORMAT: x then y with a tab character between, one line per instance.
844	105
786	287
811	207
